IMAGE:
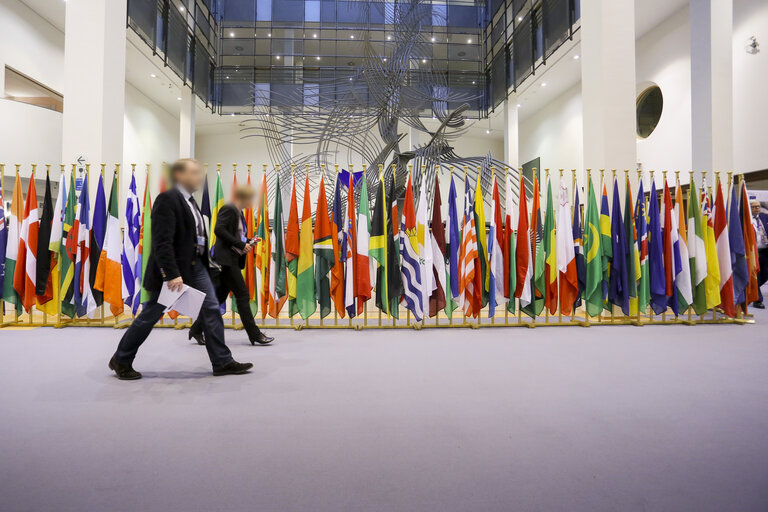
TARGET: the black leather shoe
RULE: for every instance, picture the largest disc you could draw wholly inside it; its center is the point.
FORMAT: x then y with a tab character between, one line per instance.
758	305
199	337
262	339
233	368
123	371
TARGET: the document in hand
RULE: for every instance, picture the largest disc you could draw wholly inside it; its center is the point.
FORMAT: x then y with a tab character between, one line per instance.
187	302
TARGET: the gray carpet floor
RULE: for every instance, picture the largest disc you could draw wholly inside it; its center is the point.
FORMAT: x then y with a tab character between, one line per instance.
548	419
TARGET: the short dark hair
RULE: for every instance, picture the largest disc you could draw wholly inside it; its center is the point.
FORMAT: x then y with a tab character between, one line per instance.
180	166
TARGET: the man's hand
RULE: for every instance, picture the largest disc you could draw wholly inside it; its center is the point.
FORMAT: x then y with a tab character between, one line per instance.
176	285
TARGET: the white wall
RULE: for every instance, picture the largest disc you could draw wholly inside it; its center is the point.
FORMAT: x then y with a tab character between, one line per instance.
750	83
151	136
664	58
31	45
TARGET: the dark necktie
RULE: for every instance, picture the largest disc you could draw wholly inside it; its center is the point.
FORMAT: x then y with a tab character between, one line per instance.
198	223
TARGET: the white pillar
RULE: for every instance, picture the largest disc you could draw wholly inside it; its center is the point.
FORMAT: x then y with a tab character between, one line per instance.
511	134
608	84
712	79
94	81
414	138
187	124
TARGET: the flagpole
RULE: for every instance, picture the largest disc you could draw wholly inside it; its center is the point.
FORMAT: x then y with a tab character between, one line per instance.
587	188
559	309
336	173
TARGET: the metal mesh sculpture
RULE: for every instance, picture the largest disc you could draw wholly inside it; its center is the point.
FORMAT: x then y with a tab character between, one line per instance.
366	112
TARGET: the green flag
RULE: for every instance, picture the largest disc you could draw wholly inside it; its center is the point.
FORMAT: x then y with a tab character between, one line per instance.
145	239
67	289
593	291
305	279
277	269
697	252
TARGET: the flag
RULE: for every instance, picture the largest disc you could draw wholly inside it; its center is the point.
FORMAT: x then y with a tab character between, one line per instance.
697	252
382	248
738	249
566	255
618	287
426	258
724	254
409	250
12	245
641	227
537	251
249	272
277	266
750	247
131	264
25	272
496	297
79	244
323	249
348	252
305	279
45	260
109	276
634	272
67	287
363	262
3	242
606	244
550	254
453	245
523	257
437	300
578	249
671	253
481	291
396	286
467	256
593	290
218	202
263	249
684	290
98	232
656	272
337	232
510	265
145	239
292	250
712	281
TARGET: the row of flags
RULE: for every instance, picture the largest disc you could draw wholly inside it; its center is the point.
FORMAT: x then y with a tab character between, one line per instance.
656	254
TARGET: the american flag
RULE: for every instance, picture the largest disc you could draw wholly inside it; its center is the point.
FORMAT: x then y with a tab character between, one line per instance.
467	254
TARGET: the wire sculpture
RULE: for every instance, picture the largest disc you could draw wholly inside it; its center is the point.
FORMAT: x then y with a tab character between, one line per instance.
365	113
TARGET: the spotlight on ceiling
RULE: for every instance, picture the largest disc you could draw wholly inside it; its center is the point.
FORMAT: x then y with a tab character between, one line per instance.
433	39
269	35
423	61
352	36
576	57
469	41
179	98
153	75
543	84
314	35
231	34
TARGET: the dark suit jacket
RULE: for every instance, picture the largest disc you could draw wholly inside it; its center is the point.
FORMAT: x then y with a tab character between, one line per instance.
227	239
763	218
174	241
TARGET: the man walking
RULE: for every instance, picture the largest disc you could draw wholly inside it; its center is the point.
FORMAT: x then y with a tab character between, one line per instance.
178	256
760	221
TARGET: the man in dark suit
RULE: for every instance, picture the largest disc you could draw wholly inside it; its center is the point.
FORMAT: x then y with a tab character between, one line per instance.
178	257
229	251
760	221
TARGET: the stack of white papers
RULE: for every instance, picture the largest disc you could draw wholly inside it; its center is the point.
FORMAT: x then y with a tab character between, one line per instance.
187	302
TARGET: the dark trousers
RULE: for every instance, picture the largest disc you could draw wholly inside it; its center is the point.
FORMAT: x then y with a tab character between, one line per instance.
231	280
209	319
762	277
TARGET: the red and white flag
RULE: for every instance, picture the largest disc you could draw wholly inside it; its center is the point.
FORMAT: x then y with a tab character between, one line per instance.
523	251
25	273
566	255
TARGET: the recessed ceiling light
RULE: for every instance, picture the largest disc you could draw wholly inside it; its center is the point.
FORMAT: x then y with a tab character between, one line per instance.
278	57
433	39
543	84
576	57
227	77
473	82
488	131
181	8
352	36
318	57
389	38
153	75
469	41
423	61
179	98
519	18
231	34
269	35
314	35
519	105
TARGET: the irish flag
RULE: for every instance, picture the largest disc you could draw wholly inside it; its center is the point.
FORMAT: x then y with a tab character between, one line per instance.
25	270
109	274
